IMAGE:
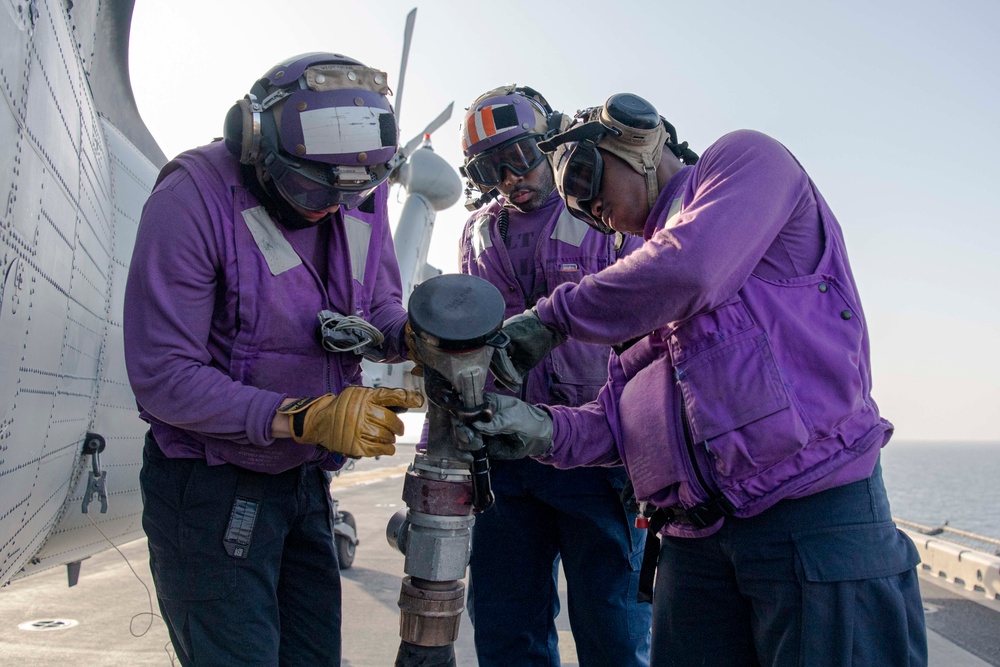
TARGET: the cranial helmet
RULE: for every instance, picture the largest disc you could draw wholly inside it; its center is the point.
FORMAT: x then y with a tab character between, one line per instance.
626	126
500	131
320	127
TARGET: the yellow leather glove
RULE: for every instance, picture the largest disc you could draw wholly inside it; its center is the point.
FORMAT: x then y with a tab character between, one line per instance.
355	423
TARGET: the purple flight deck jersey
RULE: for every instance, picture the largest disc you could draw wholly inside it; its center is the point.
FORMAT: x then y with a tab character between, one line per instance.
221	320
755	343
566	251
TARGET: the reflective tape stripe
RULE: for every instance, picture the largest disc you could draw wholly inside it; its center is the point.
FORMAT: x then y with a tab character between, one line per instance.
569	230
359	236
481	235
277	251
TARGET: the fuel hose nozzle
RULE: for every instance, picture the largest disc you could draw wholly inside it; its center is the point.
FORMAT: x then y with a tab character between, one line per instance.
456	320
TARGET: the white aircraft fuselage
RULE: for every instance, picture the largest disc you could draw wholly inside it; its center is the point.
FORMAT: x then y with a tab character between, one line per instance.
76	168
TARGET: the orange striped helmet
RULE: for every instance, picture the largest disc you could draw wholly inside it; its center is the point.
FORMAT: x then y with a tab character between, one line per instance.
503	114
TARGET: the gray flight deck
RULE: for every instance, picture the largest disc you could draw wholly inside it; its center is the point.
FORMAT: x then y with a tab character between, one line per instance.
104	620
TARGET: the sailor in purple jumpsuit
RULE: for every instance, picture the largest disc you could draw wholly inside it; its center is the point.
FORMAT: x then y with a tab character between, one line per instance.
526	244
240	246
743	412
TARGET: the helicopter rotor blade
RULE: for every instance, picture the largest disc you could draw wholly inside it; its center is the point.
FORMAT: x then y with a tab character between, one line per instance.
411	19
441	119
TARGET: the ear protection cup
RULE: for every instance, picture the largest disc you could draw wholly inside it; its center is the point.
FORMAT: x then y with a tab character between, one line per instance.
232	130
557	123
241	130
632	111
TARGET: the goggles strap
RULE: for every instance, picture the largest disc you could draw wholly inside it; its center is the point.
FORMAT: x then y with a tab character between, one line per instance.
652	188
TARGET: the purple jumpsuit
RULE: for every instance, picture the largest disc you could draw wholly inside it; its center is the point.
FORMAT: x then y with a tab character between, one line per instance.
220	327
543	514
751	387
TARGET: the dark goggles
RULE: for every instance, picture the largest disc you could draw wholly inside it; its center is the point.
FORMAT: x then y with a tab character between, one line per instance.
578	176
315	188
520	157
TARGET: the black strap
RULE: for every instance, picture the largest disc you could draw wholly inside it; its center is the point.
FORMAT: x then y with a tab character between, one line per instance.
246	506
699	516
298	423
651	553
707	513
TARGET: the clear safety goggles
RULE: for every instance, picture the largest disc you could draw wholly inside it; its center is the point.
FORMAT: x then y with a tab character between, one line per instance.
520	157
315	186
579	167
578	176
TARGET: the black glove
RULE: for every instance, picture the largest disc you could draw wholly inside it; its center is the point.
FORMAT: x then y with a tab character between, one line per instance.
517	429
530	341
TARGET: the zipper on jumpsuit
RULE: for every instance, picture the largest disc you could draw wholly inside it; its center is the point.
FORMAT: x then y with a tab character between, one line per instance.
327	370
689	440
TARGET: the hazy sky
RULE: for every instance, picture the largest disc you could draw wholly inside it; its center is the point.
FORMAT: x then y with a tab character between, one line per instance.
892	107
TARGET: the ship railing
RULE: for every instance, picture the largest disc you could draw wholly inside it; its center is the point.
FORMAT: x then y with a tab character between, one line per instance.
974	570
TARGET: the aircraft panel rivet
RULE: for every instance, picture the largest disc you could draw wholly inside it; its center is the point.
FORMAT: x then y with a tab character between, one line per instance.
362	157
525	126
378	79
301	106
300	149
359	102
352	76
280	73
320	78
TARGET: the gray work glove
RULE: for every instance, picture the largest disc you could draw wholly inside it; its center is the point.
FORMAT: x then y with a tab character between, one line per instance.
517	429
530	341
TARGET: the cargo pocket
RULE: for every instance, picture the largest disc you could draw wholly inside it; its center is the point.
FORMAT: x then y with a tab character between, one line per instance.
198	581
860	597
848	553
184	518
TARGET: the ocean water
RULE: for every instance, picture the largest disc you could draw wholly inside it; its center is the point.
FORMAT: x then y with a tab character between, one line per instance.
934	482
927	482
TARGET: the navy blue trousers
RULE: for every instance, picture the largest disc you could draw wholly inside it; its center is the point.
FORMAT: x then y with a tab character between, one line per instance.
822	580
542	514
278	606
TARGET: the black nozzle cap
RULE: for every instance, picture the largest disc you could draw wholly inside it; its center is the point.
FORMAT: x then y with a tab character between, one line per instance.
462	312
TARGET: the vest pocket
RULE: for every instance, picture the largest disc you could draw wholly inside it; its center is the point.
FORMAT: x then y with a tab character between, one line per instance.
578	372
739	410
730	386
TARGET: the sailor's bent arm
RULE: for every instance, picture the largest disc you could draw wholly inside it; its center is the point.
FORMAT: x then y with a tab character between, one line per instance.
745	189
